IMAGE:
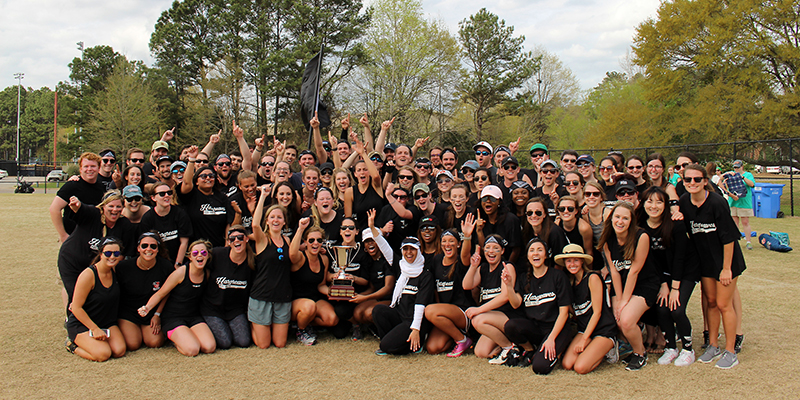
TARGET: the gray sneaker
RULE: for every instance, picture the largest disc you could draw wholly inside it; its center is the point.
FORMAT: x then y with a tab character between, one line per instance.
728	360
613	355
712	352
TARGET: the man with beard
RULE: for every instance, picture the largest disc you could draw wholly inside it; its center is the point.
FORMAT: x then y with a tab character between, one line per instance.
265	170
449	162
108	165
435	155
159	149
164	170
225	184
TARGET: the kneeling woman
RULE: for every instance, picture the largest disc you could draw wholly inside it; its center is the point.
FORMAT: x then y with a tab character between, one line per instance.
308	277
381	275
91	324
451	324
182	320
225	300
596	325
400	325
633	276
545	296
138	278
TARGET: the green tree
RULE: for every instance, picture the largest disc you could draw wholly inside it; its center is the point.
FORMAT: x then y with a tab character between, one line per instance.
498	65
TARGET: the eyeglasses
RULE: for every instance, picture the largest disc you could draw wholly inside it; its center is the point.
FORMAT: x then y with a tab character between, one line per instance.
482	178
405	177
436	155
420	196
538	213
444	180
316	240
537	155
109	161
136	160
567	208
164	194
144	246
267	164
696	179
591	194
401	197
428	228
679	166
572	183
224	164
199	161
569	160
348	227
203	253
112	253
626	192
178	170
606	169
283	169
655	166
482	153
635	167
234	238
485	199
467	171
206	176
134	199
509	167
549	171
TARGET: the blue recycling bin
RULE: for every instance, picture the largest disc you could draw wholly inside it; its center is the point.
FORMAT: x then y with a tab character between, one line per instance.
767	199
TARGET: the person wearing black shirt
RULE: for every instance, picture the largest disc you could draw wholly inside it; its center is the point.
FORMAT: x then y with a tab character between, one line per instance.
87	189
494	218
398	219
545	297
550	190
171	223
382	276
138	278
107	169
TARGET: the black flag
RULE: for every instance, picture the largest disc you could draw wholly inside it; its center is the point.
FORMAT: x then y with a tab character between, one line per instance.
309	95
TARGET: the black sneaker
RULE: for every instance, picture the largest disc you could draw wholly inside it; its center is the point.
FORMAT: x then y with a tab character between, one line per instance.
737	345
526	359
513	356
637	362
70	345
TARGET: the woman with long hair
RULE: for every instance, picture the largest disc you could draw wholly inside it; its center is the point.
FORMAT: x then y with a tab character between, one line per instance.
575	229
574	184
182	320
481	179
544	295
92	323
596	215
367	194
170	221
311	182
458	209
539	224
357	269
428	233
633	276
138	278
285	196
407	177
597	329
134	204
715	235
209	209
326	214
133	175
607	170
635	166
342	179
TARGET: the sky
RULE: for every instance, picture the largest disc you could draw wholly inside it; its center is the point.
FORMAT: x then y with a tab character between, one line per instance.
591	37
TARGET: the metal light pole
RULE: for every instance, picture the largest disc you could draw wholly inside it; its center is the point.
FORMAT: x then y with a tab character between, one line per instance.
18	76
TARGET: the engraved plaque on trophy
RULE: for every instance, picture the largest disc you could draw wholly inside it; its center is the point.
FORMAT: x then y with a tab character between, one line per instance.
342	286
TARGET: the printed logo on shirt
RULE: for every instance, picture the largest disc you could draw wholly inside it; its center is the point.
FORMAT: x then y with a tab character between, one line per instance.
403	223
353	267
582	308
225	283
700	227
380	275
444	286
533	300
247	221
167	236
656	243
231	191
622	264
197	285
489	293
208	209
156	286
94	244
410	289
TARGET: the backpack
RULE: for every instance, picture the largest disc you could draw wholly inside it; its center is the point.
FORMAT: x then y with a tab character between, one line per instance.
773	243
735	183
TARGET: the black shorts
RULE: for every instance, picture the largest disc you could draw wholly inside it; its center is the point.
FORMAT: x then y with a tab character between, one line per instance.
648	293
168	324
133	316
710	271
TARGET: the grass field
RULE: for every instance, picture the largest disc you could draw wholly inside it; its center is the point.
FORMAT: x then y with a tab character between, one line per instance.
35	364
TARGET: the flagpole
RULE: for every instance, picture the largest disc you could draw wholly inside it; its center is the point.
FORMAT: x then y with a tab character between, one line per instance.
316	93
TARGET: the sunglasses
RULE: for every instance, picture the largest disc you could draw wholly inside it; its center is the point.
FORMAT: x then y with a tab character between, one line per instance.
680	166
467	171
696	179
316	240
401	197
606	168
163	194
420	196
136	160
567	208
482	153
134	199
444	180
348	227
427	228
482	178
178	170
153	246
201	161
376	159
422	166
224	164
572	183
327	172
203	253
405	177
549	171
569	160
234	238
206	176
591	194
635	167
485	199
509	167
583	164
112	253
267	164
626	192
537	155
109	161
538	213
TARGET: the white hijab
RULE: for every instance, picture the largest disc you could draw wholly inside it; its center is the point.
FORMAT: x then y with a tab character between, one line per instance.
407	270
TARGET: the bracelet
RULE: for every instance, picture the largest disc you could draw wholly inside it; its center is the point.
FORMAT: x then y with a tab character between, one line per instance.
675	288
157	314
190	160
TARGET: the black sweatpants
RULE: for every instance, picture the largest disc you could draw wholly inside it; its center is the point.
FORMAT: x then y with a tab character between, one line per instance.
394	331
668	320
523	330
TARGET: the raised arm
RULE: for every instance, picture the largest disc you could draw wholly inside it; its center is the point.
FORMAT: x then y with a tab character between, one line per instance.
322	155
509	279
188	176
467	227
212	141
247	158
295	255
258	216
381	142
401	211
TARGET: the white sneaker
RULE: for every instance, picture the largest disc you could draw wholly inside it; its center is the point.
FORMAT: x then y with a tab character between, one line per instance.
500	358
668	357
685	359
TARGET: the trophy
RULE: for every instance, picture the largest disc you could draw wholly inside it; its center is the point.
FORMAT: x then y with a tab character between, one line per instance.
342	286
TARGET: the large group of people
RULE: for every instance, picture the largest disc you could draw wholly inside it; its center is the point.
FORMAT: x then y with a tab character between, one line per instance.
572	259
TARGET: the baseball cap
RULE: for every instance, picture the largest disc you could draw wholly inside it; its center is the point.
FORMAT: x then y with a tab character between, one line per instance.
471	164
326	165
484	143
160	144
510	160
539	146
550	163
585	158
738	164
390	146
493	191
421	186
445	173
624	184
429	220
502	148
131	191
164	158
177	164
410	241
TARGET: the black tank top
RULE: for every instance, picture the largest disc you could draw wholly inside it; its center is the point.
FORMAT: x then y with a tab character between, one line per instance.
273	267
102	303
184	300
363	202
582	304
574	236
305	281
647	276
